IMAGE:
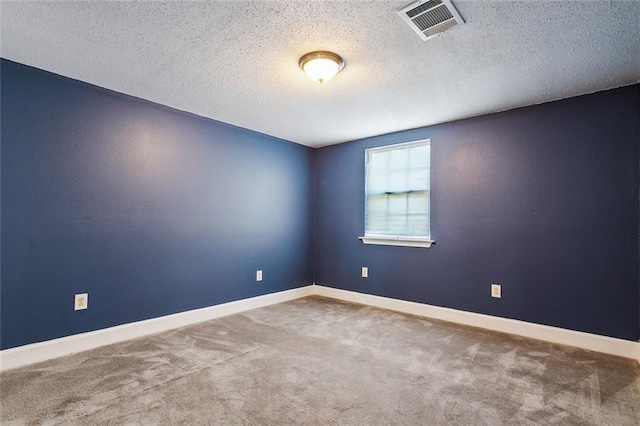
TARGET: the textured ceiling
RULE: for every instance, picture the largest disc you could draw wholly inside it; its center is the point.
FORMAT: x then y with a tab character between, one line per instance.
237	61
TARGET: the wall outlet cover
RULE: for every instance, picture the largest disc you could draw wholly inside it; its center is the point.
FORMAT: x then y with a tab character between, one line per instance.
259	275
496	291
81	301
365	272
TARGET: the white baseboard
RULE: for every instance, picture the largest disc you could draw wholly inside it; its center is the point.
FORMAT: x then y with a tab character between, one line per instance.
37	352
592	342
42	351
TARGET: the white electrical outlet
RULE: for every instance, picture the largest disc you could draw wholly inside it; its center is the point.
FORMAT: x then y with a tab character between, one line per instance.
365	272
496	291
259	275
81	301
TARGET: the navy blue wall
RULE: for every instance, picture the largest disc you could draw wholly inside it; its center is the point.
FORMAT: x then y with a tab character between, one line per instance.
149	210
543	200
153	211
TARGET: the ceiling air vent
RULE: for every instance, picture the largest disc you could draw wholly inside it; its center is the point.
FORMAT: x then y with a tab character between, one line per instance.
430	17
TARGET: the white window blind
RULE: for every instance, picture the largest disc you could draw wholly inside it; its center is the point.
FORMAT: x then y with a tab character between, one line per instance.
397	194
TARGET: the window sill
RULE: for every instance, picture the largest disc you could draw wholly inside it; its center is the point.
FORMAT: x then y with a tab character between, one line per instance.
397	241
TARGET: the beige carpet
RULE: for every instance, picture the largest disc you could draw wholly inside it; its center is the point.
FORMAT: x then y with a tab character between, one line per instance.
317	361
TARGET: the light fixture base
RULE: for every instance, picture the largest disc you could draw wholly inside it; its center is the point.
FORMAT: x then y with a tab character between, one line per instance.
321	66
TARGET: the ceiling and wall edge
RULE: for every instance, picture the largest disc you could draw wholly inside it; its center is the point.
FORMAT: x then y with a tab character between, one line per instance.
159	105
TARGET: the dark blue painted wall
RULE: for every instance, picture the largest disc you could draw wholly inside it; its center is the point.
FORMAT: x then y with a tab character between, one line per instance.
543	200
153	211
149	210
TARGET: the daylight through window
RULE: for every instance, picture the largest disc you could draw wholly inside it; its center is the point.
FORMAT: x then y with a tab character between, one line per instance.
397	194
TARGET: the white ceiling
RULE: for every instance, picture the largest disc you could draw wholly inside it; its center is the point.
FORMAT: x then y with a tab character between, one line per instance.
237	61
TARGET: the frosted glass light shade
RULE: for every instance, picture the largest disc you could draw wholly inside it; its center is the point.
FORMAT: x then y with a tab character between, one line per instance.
321	66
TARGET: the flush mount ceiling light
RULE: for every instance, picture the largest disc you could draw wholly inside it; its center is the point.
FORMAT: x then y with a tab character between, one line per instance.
321	66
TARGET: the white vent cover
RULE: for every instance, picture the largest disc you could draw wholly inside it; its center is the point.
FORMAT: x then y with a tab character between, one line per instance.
430	17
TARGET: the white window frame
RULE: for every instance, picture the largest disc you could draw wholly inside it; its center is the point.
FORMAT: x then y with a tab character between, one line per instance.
390	240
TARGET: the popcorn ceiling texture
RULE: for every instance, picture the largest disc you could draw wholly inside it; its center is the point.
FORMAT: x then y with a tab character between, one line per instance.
237	61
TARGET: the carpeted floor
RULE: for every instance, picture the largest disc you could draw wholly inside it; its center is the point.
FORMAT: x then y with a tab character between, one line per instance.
317	361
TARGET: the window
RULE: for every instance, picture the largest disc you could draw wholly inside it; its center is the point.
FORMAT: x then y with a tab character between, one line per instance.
397	195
